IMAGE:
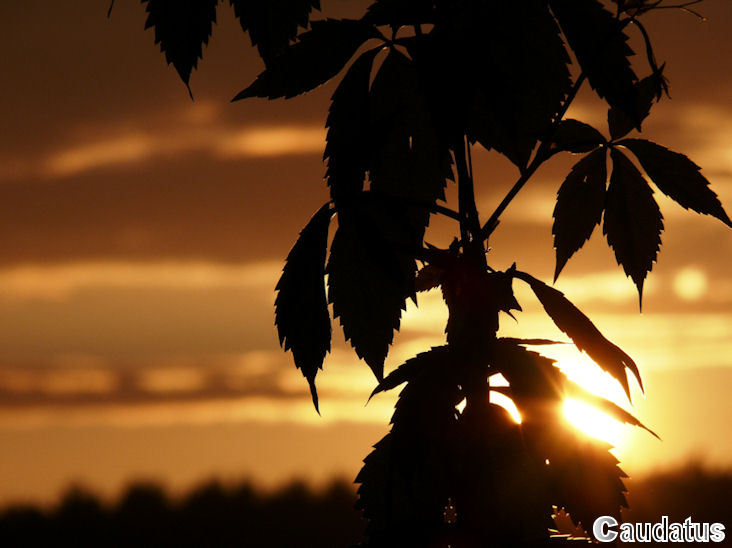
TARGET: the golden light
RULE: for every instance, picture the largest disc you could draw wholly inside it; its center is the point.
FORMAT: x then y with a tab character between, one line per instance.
580	369
690	284
593	422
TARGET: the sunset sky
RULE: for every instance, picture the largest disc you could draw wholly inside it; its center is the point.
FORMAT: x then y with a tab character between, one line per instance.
142	234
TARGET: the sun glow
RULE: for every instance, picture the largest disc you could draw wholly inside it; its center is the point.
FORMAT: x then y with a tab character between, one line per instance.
581	370
593	422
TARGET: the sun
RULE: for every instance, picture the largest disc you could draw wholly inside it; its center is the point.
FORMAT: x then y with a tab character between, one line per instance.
589	420
592	422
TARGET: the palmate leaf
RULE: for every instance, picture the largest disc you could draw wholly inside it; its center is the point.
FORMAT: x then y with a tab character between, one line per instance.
182	27
315	58
632	222
580	202
370	275
575	136
601	48
301	309
347	141
272	24
677	177
583	332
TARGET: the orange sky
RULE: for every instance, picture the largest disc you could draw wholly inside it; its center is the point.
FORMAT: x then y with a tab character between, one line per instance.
142	236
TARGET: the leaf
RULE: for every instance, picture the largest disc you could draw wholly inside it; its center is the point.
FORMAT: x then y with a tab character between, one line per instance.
523	78
315	58
272	24
412	367
606	406
583	332
575	136
584	476
407	479
428	277
182	27
369	277
580	202
530	342
406	157
639	102
301	309
633	222
535	384
677	177
348	131
601	47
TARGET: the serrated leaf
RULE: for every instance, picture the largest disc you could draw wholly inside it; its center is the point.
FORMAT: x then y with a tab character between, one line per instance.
639	102
347	141
407	159
575	136
407	479
301	309
370	276
601	47
412	367
583	332
272	24
633	223
182	27
523	78
428	277
535	384
580	201
678	177
584	476
606	406
315	58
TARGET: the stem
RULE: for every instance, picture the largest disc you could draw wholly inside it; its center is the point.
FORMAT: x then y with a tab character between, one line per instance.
543	153
469	222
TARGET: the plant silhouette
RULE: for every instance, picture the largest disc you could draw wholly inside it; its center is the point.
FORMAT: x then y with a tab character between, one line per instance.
429	80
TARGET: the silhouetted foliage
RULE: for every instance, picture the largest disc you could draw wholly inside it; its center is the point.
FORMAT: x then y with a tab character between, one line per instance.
430	80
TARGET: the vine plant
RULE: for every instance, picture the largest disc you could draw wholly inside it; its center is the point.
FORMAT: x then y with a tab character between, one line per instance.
430	80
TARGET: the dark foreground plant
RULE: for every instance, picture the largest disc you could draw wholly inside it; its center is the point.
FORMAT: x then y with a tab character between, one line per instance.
430	80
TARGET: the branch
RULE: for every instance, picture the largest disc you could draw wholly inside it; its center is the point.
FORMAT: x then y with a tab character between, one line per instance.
543	153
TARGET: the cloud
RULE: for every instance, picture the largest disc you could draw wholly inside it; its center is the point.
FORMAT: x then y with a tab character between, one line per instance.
123	149
59	281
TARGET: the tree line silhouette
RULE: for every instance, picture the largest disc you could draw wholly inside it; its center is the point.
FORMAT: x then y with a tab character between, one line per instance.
295	516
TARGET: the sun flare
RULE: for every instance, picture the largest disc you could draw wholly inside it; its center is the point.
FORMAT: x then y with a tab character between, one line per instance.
593	422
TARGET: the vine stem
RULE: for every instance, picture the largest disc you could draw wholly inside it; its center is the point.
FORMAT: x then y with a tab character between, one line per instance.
543	153
470	230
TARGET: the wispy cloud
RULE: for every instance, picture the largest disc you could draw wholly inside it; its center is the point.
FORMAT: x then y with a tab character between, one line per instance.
58	281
